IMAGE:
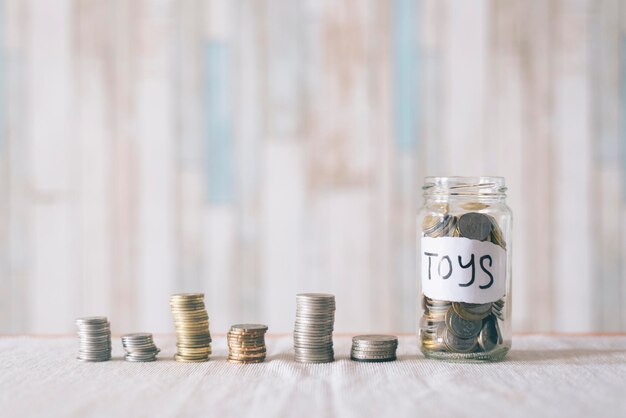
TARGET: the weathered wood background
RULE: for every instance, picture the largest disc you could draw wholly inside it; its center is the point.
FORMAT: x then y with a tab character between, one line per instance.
252	149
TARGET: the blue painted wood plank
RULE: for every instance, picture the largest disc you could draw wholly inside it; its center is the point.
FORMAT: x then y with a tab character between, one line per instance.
405	69
218	123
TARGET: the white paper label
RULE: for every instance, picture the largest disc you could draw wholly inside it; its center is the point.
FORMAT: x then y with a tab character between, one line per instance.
463	270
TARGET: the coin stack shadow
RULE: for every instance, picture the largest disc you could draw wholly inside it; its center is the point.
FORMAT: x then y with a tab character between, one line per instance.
374	348
192	327
94	335
246	343
139	347
313	329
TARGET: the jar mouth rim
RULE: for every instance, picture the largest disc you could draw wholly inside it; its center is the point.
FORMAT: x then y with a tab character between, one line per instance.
465	185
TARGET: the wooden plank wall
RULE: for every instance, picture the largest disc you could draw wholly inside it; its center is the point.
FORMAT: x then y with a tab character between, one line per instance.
255	149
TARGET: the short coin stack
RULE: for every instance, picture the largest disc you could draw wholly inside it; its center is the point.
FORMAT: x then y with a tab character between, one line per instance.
94	334
374	348
139	347
192	327
313	330
246	343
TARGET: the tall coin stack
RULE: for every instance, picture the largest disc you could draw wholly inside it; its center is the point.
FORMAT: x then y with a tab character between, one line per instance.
457	327
139	347
94	335
192	327
374	348
246	343
313	330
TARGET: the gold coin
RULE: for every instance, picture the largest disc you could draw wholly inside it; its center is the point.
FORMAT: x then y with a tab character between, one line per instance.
247	357
474	206
180	357
235	361
247	349
430	222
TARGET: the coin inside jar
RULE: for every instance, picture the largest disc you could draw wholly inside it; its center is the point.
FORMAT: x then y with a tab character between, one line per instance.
460	327
472	311
474	206
457	344
475	225
490	335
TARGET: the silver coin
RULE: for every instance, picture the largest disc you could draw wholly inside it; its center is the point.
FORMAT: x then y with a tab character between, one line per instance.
315	361
303	355
372	356
313	338
97	337
490	335
460	327
138	347
375	339
373	360
314	354
134	360
457	344
375	349
137	336
92	360
313	345
94	334
315	318
381	354
374	346
315	296
315	322
312	331
474	225
92	320
314	348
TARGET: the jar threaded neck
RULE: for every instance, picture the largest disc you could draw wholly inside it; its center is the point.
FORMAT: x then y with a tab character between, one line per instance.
486	186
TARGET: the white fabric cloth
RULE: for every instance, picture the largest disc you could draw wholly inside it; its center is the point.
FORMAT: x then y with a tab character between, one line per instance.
542	376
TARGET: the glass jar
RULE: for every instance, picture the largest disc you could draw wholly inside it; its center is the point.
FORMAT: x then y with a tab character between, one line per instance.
464	259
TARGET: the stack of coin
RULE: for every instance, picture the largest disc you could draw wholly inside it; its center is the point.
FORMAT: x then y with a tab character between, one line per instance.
192	327
460	327
498	307
374	348
472	225
313	330
139	347
432	323
246	343
454	326
440	226
94	334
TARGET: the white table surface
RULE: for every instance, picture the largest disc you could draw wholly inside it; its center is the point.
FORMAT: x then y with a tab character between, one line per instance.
552	376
